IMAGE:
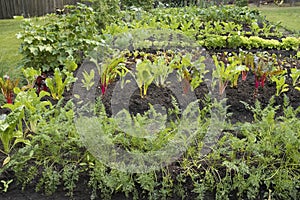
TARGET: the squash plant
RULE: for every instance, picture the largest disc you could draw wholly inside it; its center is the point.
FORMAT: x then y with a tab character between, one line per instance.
61	37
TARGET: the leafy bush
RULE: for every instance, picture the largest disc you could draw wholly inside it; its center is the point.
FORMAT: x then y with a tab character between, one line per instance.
107	11
241	3
145	4
62	38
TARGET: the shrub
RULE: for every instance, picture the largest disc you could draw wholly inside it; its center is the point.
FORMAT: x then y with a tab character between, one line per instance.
241	3
107	11
60	39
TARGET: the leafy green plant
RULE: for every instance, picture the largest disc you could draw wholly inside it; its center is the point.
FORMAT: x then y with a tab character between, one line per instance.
33	107
59	83
60	39
161	70
281	85
30	75
143	75
55	150
265	67
11	131
106	11
290	43
7	86
226	74
295	75
109	70
88	80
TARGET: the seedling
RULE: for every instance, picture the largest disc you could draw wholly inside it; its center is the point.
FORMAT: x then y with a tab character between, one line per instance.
88	80
281	86
59	82
110	70
295	75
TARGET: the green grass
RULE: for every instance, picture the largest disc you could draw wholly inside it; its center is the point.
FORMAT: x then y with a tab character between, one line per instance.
288	16
9	47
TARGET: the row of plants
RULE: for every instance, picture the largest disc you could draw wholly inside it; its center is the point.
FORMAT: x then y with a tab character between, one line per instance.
251	160
156	68
219	42
251	31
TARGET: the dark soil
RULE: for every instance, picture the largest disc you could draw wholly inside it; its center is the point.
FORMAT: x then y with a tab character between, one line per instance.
244	92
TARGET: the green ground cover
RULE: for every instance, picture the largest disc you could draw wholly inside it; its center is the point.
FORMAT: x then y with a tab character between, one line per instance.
9	45
288	16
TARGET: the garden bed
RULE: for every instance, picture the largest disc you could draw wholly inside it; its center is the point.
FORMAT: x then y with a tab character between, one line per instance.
255	154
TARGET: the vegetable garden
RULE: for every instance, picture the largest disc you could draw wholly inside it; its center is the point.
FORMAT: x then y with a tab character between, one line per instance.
241	72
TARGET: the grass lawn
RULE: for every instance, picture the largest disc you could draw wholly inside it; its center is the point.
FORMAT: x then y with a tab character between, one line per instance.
288	16
9	47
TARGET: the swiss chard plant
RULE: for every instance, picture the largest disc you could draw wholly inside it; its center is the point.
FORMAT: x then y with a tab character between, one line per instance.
11	131
226	73
32	105
60	82
144	75
281	85
109	71
7	86
35	79
295	75
265	67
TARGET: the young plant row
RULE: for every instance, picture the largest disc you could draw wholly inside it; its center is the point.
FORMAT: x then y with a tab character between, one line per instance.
251	160
210	34
192	23
264	66
155	69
